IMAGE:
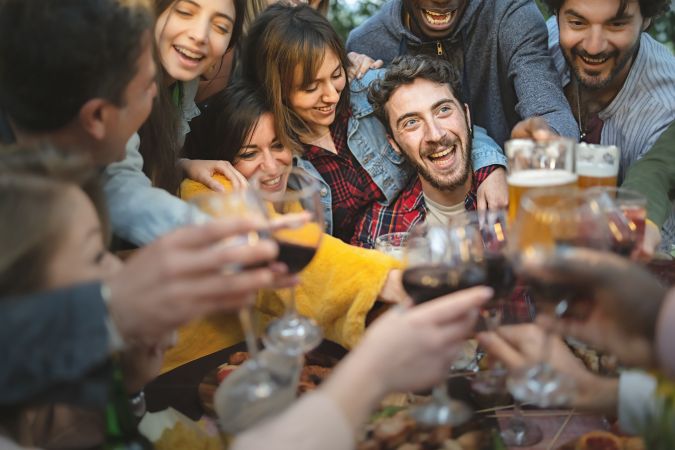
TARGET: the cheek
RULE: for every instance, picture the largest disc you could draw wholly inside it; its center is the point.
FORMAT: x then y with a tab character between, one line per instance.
218	47
246	168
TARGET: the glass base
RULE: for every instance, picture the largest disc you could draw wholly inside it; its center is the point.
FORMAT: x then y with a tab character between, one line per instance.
541	385
293	335
521	433
434	413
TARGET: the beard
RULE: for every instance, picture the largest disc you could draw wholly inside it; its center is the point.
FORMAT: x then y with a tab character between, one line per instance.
444	184
589	79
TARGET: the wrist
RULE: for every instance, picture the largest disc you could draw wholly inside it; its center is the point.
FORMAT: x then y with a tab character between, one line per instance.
115	339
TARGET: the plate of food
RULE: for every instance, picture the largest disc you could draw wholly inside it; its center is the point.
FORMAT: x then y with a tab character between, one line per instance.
319	363
604	440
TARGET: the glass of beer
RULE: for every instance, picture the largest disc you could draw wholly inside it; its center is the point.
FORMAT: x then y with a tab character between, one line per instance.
597	165
392	244
538	165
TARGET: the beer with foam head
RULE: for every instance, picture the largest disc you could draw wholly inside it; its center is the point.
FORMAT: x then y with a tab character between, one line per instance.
597	165
538	165
537	179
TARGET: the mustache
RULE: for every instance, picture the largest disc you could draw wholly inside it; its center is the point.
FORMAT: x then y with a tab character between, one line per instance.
444	142
584	54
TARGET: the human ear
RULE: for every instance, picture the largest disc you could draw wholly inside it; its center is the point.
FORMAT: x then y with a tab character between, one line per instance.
93	117
393	144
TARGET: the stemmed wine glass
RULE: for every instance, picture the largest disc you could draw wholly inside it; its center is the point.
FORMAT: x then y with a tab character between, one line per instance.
296	216
441	260
549	221
258	389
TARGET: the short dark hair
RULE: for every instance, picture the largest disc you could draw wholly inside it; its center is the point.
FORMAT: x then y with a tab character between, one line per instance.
648	8
57	55
34	186
405	70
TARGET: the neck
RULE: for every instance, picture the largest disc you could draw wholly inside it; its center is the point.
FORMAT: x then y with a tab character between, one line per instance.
315	135
446	197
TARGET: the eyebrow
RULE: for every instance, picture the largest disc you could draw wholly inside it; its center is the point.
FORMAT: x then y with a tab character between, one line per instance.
434	106
624	16
219	14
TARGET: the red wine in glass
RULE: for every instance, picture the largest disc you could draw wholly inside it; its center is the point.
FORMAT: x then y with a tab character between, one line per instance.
500	275
427	282
295	256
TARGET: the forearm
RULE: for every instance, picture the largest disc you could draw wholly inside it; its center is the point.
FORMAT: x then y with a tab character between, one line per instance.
485	151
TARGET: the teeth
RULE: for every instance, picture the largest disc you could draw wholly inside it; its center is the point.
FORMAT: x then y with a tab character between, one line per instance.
190	54
326	108
436	18
272	182
440	154
594	60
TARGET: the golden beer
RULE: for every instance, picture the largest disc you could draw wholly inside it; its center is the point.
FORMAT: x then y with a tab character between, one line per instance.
536	180
597	165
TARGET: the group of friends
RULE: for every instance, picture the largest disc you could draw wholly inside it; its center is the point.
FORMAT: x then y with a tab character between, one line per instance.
114	112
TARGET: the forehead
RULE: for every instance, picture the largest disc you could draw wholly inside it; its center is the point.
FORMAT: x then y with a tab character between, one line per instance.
145	64
418	96
600	10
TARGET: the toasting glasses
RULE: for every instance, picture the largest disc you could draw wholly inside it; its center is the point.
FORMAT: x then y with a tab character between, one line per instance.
441	260
296	216
262	386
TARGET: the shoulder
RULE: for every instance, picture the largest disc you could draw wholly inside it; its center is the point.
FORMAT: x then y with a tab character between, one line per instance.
383	28
191	188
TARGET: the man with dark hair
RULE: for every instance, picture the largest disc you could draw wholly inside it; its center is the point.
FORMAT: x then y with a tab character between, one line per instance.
497	46
419	102
81	76
619	81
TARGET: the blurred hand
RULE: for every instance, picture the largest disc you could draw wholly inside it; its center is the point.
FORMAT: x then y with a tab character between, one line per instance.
181	277
360	64
535	128
621	300
203	171
519	345
141	363
493	192
425	336
392	291
665	335
651	241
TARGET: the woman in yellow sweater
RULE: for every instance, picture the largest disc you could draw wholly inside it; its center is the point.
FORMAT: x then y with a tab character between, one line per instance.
342	283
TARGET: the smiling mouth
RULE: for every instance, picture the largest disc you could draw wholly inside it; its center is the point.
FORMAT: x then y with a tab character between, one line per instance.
438	18
594	61
189	54
326	109
441	154
272	182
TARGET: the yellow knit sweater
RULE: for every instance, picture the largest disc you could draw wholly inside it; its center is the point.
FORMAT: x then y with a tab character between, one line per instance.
337	289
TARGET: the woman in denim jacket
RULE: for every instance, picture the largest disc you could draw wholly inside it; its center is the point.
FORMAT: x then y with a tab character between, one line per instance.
294	53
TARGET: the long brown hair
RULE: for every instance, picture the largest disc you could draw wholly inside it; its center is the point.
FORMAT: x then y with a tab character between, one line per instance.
159	144
281	39
34	205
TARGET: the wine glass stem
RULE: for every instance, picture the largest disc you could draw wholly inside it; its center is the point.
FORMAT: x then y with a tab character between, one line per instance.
291	307
246	320
517	421
440	393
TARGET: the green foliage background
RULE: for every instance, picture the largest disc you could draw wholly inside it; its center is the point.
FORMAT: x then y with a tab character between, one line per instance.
345	19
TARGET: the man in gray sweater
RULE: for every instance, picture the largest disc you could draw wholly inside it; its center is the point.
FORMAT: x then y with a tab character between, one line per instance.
499	47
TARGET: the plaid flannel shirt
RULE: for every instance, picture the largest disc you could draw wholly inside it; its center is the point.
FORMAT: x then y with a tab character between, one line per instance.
352	188
406	211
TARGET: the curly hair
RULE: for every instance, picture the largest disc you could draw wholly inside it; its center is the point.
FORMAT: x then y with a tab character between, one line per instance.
405	70
648	8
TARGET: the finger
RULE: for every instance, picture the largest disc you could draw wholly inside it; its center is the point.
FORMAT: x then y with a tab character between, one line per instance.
212	184
460	329
223	257
452	306
192	236
377	64
497	347
482	203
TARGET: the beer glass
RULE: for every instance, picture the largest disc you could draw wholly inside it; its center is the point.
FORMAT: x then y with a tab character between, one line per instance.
597	165
392	244
538	165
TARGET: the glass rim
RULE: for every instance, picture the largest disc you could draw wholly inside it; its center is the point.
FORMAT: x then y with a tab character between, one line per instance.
622	194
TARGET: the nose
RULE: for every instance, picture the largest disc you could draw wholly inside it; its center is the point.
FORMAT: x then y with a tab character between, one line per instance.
268	164
330	94
595	43
435	132
199	30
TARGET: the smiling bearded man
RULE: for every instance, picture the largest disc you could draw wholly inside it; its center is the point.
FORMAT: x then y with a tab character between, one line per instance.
498	48
419	102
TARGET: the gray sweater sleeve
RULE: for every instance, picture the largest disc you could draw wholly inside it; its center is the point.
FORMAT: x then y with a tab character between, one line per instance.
523	41
54	341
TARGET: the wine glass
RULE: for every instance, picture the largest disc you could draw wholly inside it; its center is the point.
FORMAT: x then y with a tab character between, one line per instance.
441	260
296	217
626	213
259	389
549	221
493	228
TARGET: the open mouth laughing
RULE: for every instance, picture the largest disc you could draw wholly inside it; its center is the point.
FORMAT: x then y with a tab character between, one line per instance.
438	18
271	184
444	157
188	54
